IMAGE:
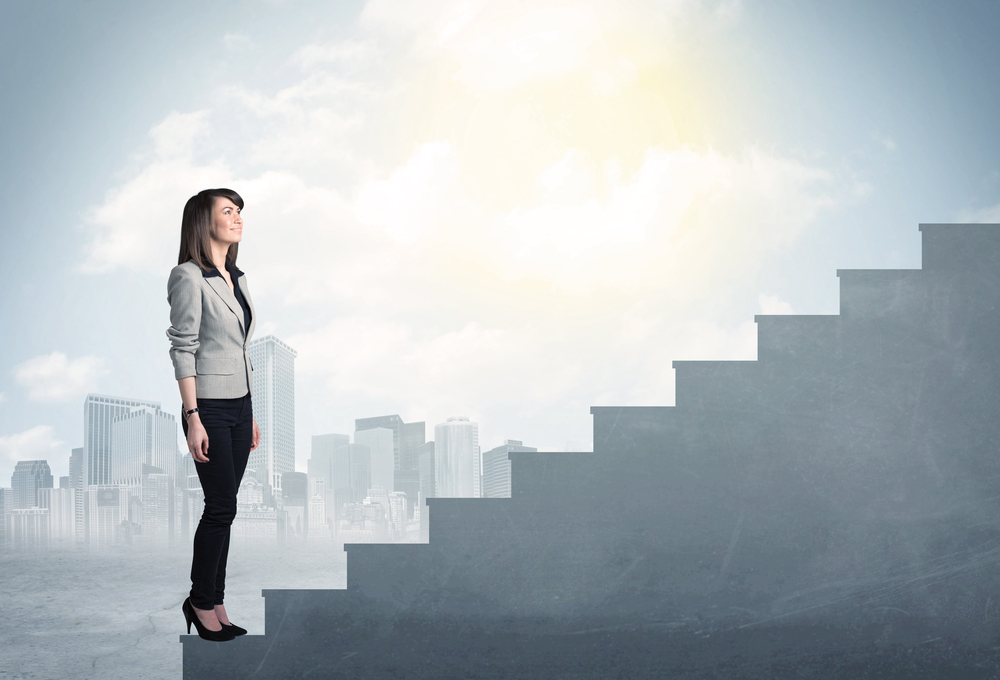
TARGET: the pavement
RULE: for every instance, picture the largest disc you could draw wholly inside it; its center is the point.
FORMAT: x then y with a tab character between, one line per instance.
104	615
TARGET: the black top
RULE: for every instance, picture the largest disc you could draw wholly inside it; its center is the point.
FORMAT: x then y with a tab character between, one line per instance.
234	274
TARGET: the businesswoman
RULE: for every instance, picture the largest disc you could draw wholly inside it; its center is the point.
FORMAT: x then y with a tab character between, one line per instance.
211	322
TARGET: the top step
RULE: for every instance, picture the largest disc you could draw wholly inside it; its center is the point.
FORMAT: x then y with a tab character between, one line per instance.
973	248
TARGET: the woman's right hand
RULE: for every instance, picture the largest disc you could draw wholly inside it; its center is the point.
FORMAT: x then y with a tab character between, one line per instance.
197	439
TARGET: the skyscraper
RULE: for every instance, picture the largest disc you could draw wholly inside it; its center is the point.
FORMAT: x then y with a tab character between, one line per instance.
457	469
143	436
357	459
412	437
107	509
378	495
406	440
6	506
496	468
379	443
425	455
295	492
324	463
76	483
157	499
61	508
393	423
274	408
99	412
27	528
398	513
29	476
317	515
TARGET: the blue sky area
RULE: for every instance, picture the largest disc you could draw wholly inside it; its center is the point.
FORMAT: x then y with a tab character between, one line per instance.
510	211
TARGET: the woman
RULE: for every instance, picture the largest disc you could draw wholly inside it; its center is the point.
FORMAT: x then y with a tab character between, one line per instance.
211	321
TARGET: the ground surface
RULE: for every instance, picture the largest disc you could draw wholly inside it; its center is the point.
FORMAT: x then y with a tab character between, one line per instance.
109	615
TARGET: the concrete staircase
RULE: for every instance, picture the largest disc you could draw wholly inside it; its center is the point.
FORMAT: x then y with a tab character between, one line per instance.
829	510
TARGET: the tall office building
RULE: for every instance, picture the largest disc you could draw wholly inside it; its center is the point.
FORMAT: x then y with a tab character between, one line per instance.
99	412
317	516
425	456
334	470
193	505
379	496
274	408
295	492
379	442
76	482
27	528
457	468
157	510
496	468
356	461
107	514
29	476
250	495
398	513
6	506
392	423
142	437
317	487
62	506
406	440
412	437
359	459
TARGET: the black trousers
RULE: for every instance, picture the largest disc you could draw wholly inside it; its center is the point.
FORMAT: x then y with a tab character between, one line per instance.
229	424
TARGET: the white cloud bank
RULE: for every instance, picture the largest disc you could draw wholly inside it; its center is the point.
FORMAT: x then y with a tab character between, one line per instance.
988	215
459	239
772	304
37	443
54	377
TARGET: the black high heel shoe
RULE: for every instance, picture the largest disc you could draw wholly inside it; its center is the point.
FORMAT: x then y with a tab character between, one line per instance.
204	633
235	630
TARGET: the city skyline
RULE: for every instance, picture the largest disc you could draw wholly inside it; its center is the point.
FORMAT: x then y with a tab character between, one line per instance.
132	484
59	465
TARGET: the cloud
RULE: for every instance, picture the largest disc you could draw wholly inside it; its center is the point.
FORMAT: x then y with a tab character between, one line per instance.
350	54
409	203
37	443
498	49
681	217
176	134
375	358
237	41
465	209
988	215
53	377
137	226
885	141
772	304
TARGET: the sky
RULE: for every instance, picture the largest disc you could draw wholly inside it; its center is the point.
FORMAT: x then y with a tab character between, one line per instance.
510	211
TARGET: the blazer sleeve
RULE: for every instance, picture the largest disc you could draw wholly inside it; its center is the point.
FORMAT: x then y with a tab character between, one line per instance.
184	296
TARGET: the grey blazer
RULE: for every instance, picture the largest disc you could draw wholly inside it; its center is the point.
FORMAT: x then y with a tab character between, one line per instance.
206	332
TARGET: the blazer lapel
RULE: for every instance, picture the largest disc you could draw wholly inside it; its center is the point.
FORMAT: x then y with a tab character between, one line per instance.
220	286
253	314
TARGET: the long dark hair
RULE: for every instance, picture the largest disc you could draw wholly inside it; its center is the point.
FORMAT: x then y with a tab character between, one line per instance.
196	228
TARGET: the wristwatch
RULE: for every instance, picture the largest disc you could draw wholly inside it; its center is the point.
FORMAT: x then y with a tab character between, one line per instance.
187	414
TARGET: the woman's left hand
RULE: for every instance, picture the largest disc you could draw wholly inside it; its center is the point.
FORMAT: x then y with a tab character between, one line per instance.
255	442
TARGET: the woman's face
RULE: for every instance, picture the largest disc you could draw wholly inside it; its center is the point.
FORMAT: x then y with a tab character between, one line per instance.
227	223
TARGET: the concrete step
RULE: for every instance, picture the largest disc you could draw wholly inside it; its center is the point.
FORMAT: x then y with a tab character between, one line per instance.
899	294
